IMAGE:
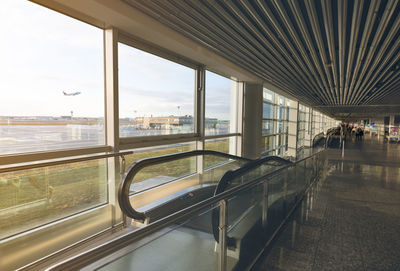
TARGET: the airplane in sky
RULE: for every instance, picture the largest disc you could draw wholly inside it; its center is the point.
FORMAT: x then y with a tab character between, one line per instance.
72	93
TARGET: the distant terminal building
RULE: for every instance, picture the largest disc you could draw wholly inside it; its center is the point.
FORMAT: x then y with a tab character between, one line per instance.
163	122
170	122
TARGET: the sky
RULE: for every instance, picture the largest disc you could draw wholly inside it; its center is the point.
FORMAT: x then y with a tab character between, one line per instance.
44	53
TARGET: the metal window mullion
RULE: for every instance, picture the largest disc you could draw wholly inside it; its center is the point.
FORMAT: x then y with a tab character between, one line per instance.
200	81
223	229
49	155
239	118
297	127
112	120
265	204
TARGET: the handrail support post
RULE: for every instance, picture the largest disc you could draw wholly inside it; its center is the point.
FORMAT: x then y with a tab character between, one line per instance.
223	218
265	204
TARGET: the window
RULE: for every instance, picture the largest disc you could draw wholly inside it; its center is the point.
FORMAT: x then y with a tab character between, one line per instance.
220	96
30	198
156	96
268	111
275	122
268	95
302	125
220	145
51	80
268	143
267	127
281	113
159	174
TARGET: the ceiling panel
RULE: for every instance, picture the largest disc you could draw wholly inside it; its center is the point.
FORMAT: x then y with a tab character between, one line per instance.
326	53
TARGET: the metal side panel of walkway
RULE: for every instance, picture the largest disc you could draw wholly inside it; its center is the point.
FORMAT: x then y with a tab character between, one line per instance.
350	220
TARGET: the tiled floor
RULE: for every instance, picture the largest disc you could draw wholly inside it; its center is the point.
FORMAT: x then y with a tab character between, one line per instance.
351	219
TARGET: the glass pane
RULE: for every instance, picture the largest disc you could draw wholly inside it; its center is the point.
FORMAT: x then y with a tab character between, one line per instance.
156	175
268	143
291	187
281	100
225	145
301	176
268	111
220	94
189	245
281	113
279	127
33	197
276	207
51	78
268	95
309	170
267	127
156	96
245	228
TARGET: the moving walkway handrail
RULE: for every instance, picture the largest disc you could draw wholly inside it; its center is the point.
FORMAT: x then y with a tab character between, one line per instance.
124	189
63	161
317	138
97	253
232	174
329	134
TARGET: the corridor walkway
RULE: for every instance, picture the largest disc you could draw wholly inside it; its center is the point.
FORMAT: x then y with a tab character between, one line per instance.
350	220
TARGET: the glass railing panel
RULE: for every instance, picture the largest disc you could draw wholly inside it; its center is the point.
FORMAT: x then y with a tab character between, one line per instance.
276	201
291	187
308	171
215	172
243	203
34	197
300	176
245	237
188	245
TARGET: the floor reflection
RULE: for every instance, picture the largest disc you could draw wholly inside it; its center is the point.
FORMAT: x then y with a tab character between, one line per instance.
350	219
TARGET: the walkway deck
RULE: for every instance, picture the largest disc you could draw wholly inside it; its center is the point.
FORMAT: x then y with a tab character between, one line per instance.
351	218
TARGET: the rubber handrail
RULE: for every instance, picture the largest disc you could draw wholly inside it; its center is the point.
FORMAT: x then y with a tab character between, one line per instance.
124	189
232	174
317	139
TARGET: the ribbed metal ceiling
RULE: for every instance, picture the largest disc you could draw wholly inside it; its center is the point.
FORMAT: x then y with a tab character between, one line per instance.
326	53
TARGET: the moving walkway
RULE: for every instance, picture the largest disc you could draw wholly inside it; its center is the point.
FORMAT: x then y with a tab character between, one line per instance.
147	203
223	225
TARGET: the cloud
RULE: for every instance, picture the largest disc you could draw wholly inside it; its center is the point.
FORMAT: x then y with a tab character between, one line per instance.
47	52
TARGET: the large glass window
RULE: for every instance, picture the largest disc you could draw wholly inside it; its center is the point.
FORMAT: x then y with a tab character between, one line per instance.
159	174
33	197
220	96
268	95
275	122
301	127
268	143
156	96
268	111
220	145
267	127
51	80
281	113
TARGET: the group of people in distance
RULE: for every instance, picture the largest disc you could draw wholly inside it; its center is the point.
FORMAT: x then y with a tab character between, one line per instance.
359	133
352	130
